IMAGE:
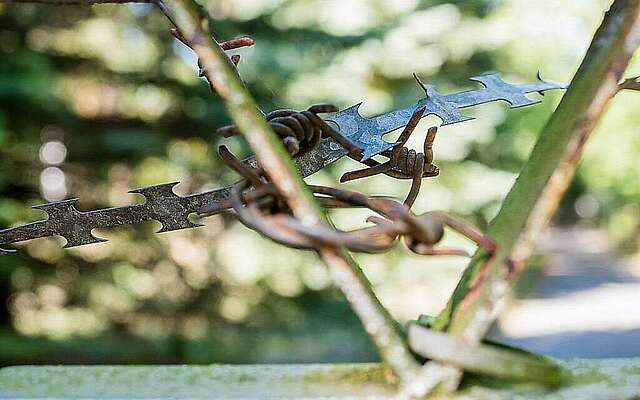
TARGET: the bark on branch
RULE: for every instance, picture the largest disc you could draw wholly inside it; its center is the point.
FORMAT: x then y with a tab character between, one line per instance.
272	156
535	196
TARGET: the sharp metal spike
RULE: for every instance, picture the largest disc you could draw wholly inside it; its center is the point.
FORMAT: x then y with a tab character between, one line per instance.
172	211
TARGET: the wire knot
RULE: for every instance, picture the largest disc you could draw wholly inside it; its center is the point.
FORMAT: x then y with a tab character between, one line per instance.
301	131
403	163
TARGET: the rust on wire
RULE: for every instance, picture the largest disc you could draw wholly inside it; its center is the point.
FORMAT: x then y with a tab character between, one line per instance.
259	206
301	131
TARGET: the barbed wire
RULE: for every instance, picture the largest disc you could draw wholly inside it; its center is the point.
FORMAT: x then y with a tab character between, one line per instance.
258	205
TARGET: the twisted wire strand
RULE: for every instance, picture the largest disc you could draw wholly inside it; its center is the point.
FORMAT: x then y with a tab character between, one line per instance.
301	131
259	206
420	233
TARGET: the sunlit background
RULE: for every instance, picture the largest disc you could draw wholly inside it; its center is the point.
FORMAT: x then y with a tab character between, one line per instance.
95	101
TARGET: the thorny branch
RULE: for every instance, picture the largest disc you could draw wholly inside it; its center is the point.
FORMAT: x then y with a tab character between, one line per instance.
481	292
275	160
191	28
555	157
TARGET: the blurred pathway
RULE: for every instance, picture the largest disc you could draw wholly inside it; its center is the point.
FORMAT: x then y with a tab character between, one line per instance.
586	304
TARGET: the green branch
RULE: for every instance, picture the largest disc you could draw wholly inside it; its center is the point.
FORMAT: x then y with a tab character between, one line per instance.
272	156
545	177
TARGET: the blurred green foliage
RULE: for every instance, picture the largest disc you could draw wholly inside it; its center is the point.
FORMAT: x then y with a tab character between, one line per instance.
97	100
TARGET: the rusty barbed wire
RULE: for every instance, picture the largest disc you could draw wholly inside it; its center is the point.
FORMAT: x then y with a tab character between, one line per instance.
258	206
301	131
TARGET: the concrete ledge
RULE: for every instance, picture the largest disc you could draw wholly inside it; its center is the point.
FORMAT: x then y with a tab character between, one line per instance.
590	379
